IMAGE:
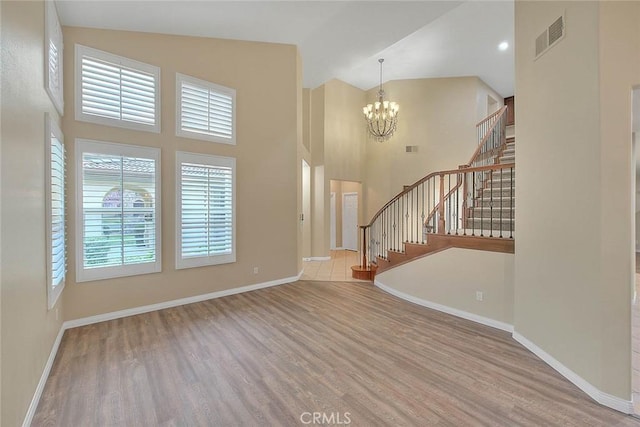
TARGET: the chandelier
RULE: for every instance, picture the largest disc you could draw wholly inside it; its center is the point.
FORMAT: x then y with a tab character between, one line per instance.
381	116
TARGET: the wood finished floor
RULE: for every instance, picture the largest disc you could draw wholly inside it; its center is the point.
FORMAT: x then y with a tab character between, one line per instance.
264	358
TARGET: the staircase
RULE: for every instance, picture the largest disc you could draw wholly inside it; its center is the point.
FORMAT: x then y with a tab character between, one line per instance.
494	205
471	207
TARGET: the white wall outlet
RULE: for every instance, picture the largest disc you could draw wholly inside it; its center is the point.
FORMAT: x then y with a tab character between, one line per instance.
479	295
255	270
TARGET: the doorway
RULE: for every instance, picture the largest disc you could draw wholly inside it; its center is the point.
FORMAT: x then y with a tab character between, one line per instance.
337	227
350	221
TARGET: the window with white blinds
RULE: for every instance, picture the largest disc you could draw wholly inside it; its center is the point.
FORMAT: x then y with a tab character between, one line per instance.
55	211
118	210
53	57
205	110
116	91
206	210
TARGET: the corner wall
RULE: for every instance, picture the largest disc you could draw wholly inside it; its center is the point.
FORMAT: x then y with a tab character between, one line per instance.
28	329
573	275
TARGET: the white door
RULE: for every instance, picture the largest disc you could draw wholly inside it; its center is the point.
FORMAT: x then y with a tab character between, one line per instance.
332	216
350	221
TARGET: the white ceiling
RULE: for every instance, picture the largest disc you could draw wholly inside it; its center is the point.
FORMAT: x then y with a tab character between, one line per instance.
337	39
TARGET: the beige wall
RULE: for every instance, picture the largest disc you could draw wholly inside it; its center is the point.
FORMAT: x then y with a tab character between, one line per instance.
338	150
573	275
619	45
439	279
28	328
438	116
267	80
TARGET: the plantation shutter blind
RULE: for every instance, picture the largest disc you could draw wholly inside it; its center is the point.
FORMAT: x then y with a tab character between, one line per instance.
54	52
57	206
118	199
206	210
206	110
117	91
112	91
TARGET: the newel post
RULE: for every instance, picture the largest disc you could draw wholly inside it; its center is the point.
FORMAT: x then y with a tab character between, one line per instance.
441	222
364	246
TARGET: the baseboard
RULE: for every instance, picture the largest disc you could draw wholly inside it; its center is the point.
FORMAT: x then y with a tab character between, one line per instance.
613	402
317	258
445	309
43	379
175	303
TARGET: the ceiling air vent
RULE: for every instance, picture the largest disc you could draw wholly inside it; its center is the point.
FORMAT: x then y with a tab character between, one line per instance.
550	36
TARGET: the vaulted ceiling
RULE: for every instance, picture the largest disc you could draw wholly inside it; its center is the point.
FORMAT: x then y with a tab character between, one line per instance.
337	39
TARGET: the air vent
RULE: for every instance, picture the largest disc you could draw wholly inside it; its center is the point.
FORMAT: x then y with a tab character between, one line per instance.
411	148
550	36
556	31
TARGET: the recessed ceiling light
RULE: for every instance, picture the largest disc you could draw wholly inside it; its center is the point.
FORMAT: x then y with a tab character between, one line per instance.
503	46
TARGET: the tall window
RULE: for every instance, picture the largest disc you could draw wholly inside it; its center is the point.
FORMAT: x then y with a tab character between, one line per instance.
53	57
206	210
55	211
205	110
116	91
118	218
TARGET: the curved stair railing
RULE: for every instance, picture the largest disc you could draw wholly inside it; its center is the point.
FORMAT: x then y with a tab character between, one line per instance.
474	200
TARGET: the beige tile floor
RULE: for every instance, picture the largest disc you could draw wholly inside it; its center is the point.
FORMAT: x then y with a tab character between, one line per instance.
337	269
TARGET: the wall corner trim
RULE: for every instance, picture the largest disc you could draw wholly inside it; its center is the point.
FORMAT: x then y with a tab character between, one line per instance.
445	309
605	399
132	312
43	379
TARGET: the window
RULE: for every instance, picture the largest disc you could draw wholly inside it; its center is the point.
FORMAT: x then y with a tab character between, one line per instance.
118	210
205	110
206	210
116	91
53	59
55	202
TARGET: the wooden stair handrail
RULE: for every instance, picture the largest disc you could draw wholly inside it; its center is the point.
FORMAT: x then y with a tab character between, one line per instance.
496	166
476	153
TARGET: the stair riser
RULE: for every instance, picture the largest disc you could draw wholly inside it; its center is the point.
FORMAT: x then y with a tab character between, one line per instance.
497	203
507	182
492	213
490	225
506	173
494	192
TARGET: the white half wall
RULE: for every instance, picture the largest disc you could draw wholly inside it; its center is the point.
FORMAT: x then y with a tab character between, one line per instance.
439	280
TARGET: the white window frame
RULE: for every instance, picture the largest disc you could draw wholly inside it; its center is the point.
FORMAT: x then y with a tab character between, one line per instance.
81	51
54	290
212	87
209	160
53	83
112	148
